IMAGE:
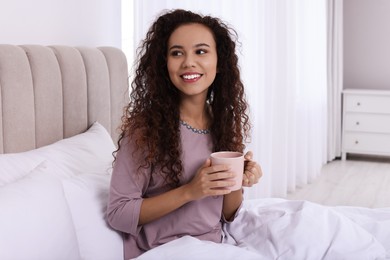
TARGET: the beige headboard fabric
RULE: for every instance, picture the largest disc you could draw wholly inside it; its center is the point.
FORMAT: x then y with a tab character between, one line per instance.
48	93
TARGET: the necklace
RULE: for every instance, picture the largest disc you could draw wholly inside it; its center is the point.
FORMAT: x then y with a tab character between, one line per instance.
195	130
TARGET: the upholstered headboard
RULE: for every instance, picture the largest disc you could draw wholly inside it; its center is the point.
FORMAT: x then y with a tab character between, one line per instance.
48	93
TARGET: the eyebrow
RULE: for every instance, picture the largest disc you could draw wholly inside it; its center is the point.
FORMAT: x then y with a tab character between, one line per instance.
196	46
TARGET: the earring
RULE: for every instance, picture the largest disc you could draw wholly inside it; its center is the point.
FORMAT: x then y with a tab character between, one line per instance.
210	95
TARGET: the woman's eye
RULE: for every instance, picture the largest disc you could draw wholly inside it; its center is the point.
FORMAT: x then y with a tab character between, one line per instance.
176	53
201	52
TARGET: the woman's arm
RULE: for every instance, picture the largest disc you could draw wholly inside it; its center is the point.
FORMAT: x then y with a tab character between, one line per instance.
232	201
209	181
127	209
158	206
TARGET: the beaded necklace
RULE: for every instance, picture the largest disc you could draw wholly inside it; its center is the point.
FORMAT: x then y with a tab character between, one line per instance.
195	130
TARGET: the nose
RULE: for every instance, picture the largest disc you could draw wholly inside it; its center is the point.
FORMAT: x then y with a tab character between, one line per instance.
189	61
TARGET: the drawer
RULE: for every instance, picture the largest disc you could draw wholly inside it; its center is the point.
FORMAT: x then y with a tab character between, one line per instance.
367	104
375	123
366	143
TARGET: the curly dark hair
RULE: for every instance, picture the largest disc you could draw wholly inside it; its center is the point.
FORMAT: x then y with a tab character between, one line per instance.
152	118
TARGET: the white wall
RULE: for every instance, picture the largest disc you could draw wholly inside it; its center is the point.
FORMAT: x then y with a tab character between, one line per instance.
367	44
128	46
61	22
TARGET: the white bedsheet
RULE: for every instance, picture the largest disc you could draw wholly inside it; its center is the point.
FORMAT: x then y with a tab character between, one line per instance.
282	229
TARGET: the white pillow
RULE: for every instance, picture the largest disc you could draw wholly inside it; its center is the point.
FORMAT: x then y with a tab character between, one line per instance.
87	196
35	221
83	163
14	166
87	152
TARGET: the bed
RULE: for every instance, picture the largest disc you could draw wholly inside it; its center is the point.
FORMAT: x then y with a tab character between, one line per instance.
60	108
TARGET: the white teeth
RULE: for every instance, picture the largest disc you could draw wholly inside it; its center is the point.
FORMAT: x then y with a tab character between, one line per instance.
193	76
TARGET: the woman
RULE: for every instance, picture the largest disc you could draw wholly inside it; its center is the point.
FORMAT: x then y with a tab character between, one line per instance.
187	102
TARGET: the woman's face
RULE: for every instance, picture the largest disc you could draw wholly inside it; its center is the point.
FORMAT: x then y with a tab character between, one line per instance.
192	59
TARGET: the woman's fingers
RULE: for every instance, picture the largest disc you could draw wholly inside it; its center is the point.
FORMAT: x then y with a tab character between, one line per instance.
252	172
211	180
248	156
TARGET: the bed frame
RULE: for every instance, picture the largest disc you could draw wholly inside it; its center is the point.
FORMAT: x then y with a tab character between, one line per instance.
48	93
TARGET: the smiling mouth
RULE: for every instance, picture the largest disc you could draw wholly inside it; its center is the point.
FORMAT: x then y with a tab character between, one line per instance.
191	76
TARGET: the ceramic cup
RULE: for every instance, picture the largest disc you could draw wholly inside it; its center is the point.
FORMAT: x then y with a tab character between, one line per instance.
236	162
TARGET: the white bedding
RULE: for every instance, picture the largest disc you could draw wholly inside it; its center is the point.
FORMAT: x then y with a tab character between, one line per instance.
282	229
53	199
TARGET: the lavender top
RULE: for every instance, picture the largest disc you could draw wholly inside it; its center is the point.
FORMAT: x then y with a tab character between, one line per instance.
200	219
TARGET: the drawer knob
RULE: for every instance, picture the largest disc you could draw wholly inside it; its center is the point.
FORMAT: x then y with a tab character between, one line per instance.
356	142
357	123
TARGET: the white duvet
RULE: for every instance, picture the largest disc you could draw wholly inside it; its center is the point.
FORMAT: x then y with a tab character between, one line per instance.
282	229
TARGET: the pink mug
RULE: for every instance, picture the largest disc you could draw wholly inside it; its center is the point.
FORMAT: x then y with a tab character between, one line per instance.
236	162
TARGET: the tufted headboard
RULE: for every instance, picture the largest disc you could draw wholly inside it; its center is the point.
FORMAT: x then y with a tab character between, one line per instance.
48	93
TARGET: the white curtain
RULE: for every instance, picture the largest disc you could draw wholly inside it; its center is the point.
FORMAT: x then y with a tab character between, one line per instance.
335	76
283	60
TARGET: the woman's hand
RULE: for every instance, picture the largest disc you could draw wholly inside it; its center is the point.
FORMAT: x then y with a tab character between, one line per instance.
252	171
210	181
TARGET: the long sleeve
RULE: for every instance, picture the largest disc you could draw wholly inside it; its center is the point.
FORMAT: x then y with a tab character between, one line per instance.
128	184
